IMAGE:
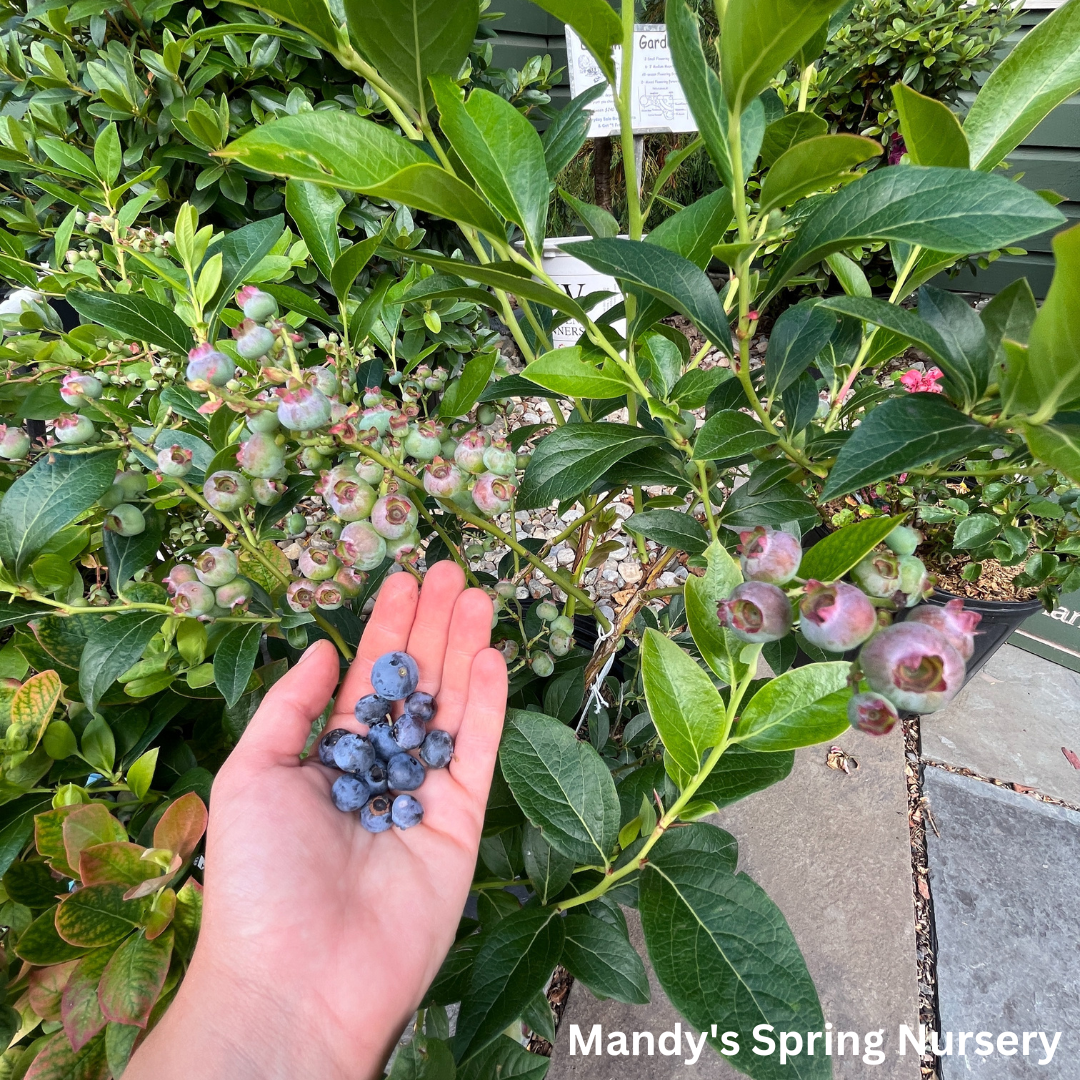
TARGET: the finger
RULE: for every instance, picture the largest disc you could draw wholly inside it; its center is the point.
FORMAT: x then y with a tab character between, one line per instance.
469	633
477	740
387	629
443	585
282	723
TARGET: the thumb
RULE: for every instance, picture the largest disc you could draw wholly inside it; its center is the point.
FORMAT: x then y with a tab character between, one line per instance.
282	723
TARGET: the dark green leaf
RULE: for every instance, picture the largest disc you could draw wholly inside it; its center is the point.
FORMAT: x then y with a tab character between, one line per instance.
730	434
976	531
596	24
312	16
965	336
671	529
602	958
1057	445
781	135
461	394
126	555
17	826
423	1058
1010	314
549	870
135	317
778	505
595	218
814	165
315	208
40	944
797	337
234	660
112	648
568	130
350	262
504	1059
14	610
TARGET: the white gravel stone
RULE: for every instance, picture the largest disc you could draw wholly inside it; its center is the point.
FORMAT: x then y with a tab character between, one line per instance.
630	571
564	555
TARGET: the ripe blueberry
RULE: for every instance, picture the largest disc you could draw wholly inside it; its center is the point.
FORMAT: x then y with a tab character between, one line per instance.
394	676
406	812
326	746
353	753
349	793
382	741
437	749
372	709
375	778
375	816
409	731
404	772
422	706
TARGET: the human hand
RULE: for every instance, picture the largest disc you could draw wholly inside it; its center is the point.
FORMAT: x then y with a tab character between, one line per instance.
318	938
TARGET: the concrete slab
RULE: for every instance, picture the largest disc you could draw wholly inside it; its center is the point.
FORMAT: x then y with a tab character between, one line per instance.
833	851
1005	876
1011	722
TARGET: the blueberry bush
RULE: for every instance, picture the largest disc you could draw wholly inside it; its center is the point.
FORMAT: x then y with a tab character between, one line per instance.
219	448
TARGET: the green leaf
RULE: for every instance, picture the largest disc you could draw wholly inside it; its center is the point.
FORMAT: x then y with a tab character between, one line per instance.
98	915
813	165
1010	314
685	707
781	135
502	151
901	434
601	957
669	277
14	610
1037	75
549	870
462	393
315	208
538	1017
350	262
141	774
68	157
410	42
514	963
849	274
87	826
17	826
834	555
741	772
931	130
976	531
719	648
241	251
117	862
423	1058
57	1061
946	210
107	154
504	1059
32	884
132	982
759	37
569	459
312	16
968	352
568	130
127	555
562	784
1056	445
730	434
671	529
596	24
721	948
47	498
805	705
112	648
797	337
693	389
596	219
119	1044
136	317
99	745
234	660
40	944
80	1009
565	373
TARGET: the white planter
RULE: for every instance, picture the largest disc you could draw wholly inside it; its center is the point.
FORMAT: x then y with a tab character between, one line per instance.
578	279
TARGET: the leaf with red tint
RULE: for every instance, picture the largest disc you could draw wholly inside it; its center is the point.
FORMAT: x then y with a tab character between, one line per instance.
88	826
161	914
133	980
57	1060
49	838
80	1009
1071	758
119	861
47	987
181	826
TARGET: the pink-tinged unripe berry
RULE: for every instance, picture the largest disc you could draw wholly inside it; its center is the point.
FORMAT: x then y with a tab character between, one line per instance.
72	429
499	458
259	455
77	389
836	617
756	612
302	408
216	566
370	471
350	580
325	380
318	564
267	492
423	442
903	540
300	595
264	420
372	396
174	461
14	442
492	494
328	595
125	520
253	341
235	595
872	714
956	624
329	477
326	535
193	598
769	555
469	453
179	575
360	546
914	666
207	364
394	516
915	583
400	549
256	304
443	479
878	574
351	498
226	491
374	418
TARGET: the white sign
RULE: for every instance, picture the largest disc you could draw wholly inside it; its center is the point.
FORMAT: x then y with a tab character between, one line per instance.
657	102
579	280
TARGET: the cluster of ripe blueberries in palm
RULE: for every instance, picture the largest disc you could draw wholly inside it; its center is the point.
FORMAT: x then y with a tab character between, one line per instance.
916	665
378	770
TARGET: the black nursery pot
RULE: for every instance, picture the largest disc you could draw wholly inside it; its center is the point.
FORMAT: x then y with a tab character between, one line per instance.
999	619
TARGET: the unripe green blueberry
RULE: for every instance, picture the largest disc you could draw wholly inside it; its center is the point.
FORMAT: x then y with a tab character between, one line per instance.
253	341
14	442
372	396
264	420
560	643
256	304
329	595
485	415
235	596
174	461
326	535
302	408
216	566
878	574
350	580
295	524
300	595
686	424
522	461
474	551
509	649
394	516
547	611
350	498
73	429
903	540
449	448
469	454
500	459
914	581
360	546
370	472
375	418
541	664
261	456
443	479
133	484
193	598
326	380
78	389
404	545
423	442
505	589
563	625
207	364
310	458
267	492
226	491
317	564
125	520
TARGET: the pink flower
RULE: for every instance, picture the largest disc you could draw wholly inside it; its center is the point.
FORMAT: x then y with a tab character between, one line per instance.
920	382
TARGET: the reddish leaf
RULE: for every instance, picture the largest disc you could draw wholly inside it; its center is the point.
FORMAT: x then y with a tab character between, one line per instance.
49	838
1071	758
79	1008
46	988
57	1061
161	914
98	915
133	980
34	703
89	826
41	945
181	826
118	861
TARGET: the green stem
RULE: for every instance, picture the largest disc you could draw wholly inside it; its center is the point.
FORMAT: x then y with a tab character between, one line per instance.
626	127
706	500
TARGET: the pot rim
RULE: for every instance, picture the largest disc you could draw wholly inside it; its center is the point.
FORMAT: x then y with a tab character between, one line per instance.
988	606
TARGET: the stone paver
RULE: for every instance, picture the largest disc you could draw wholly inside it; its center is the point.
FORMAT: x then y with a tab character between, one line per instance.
1005	880
1011	722
833	851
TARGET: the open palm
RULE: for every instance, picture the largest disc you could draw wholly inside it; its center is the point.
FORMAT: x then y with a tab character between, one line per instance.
318	938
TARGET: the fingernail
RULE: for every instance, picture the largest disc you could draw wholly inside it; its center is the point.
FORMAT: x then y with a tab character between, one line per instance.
308	651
